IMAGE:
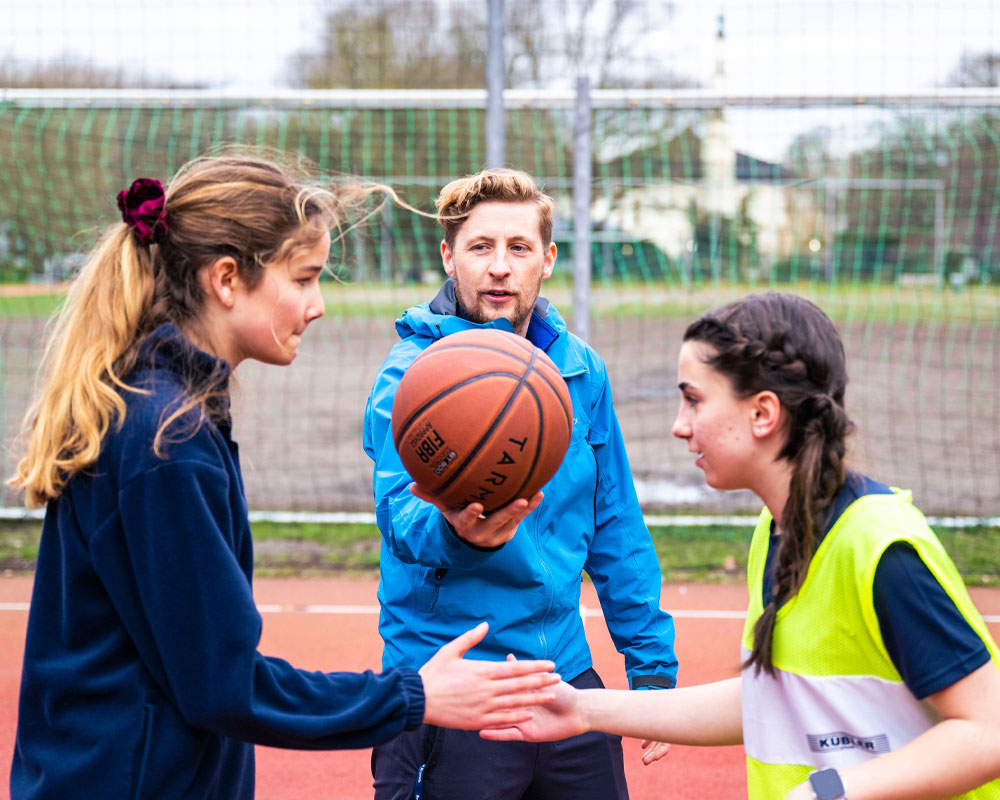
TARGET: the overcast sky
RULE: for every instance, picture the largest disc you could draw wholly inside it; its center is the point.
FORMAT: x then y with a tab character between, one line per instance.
835	46
781	45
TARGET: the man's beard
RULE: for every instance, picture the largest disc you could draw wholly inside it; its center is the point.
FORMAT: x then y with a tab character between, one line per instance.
517	316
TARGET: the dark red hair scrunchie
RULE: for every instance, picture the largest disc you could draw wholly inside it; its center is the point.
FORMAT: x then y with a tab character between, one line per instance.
143	209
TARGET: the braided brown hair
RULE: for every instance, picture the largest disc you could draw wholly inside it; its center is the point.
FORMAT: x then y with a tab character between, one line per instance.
785	344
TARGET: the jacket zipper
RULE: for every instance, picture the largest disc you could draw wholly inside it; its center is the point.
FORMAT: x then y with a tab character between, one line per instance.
542	640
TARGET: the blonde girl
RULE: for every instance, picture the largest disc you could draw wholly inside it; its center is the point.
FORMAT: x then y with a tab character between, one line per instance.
867	671
141	673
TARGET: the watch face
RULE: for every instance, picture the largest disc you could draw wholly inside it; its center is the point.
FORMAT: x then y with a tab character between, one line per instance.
826	784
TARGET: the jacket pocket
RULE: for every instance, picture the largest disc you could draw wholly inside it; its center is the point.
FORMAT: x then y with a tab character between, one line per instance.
435	577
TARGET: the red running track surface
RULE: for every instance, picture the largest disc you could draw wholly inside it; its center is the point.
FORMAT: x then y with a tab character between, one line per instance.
298	628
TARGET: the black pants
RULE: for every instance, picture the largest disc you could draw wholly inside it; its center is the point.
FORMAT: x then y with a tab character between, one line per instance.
459	765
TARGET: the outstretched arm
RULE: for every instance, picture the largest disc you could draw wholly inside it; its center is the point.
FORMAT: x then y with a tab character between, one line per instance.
709	714
468	694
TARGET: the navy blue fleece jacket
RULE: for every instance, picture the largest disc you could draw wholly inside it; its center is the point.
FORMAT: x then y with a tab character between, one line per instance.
141	673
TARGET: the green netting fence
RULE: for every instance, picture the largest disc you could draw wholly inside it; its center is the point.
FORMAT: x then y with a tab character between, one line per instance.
885	212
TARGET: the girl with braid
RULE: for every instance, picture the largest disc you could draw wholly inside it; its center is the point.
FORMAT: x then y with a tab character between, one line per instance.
867	671
142	677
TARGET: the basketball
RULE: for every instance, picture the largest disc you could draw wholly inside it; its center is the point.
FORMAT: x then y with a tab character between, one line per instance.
482	416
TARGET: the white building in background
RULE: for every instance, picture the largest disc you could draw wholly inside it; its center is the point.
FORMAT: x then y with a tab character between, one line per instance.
717	154
730	185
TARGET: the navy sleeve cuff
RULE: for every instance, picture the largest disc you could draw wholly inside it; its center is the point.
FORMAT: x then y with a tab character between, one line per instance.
412	686
652	682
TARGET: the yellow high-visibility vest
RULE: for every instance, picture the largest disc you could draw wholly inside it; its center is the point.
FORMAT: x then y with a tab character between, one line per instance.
837	699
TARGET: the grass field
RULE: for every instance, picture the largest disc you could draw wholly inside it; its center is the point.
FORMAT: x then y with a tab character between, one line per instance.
844	301
714	553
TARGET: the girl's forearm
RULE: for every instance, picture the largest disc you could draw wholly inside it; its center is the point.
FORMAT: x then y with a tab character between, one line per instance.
951	758
709	714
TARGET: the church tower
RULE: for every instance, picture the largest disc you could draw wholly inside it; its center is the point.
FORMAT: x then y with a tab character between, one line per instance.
717	154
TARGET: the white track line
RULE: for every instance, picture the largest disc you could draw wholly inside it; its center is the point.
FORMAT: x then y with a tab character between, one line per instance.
585	612
372	610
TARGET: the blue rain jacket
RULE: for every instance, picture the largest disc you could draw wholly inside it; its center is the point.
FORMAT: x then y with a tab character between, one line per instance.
141	673
434	585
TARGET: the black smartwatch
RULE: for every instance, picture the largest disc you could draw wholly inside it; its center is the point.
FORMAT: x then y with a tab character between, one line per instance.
827	785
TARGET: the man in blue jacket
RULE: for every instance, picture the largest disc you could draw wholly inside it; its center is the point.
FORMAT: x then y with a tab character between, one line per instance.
520	568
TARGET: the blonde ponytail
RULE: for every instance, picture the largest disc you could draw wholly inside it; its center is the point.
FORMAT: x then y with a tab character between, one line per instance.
147	272
78	397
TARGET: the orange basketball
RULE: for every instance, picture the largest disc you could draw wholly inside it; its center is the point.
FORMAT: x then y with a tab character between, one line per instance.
482	416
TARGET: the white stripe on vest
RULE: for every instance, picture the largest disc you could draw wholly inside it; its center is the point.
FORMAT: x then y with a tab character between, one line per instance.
827	721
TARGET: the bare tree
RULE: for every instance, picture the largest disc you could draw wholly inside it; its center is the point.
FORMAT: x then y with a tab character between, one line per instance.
976	69
73	72
618	43
396	44
410	44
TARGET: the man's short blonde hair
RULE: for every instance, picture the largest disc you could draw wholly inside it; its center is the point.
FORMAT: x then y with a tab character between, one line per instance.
460	196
